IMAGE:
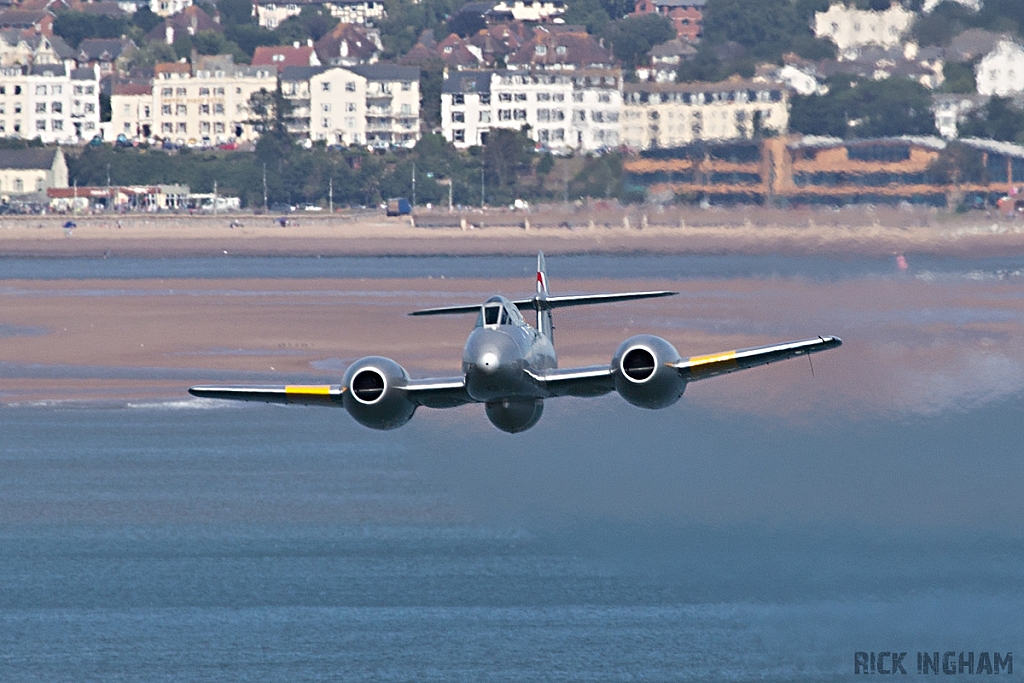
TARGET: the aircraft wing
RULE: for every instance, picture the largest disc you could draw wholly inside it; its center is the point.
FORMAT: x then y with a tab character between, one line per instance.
594	380
715	364
291	394
432	393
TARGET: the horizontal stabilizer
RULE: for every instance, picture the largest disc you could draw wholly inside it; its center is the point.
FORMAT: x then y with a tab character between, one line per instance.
551	302
290	394
714	364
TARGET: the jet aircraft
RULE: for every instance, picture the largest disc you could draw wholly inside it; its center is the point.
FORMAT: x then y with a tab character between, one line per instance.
511	367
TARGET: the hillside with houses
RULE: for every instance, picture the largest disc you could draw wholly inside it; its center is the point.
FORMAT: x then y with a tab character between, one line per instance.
324	102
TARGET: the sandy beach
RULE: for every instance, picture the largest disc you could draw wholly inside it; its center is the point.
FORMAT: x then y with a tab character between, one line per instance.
557	230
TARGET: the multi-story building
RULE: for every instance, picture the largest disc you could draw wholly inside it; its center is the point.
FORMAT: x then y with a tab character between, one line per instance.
207	103
674	114
687	16
53	102
564	110
272	14
131	110
24	171
851	28
372	104
1001	71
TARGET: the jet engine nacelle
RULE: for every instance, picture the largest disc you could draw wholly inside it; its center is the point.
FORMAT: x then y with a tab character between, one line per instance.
515	416
642	375
373	393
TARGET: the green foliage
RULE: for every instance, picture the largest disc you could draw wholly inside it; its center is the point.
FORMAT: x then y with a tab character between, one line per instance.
407	19
600	177
997	120
706	66
865	109
312	22
235	12
105	112
959	77
76	26
466	24
631	38
507	155
957	164
249	36
764	27
945	21
145	19
431	82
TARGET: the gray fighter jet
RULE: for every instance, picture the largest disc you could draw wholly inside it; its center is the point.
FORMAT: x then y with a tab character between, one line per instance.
511	367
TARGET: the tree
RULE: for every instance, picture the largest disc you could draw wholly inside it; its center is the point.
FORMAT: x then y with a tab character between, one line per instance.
997	120
76	26
865	108
765	27
249	36
235	12
631	38
466	24
312	22
506	155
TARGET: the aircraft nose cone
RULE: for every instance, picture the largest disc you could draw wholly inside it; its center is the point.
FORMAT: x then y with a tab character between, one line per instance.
488	362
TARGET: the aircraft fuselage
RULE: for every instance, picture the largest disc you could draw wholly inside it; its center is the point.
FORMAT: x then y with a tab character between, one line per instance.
496	358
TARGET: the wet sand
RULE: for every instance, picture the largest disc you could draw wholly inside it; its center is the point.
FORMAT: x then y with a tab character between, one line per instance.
749	230
910	345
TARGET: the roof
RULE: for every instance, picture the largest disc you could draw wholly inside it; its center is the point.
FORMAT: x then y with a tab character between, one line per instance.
820	141
190	20
28	158
560	46
281	56
132	89
386	72
83	74
673	48
47	70
301	73
1006	148
680	3
22	17
349	42
103	48
467	81
701	86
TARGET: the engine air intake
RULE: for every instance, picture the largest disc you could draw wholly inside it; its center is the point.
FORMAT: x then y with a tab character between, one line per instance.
368	386
638	364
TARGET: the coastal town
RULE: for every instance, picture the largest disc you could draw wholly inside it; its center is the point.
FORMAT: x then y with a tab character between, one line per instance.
175	106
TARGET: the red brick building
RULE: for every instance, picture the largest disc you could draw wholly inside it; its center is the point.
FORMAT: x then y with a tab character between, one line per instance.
687	16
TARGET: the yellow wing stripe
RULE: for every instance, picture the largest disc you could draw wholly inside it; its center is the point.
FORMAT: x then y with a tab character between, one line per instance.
711	358
308	390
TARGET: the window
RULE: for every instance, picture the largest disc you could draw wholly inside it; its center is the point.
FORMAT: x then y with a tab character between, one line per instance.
505	97
218	109
165	110
558	97
181	110
167	127
167	92
40	107
219	91
485	98
519	114
597	116
57	124
407	109
406	86
40	125
181	92
579	116
326	86
459	135
17	90
325	123
458	98
182	128
350	122
204	109
577	97
17	107
485	117
40	89
543	114
520	97
543	97
326	106
204	92
604	97
56	90
127	110
351	106
459	116
504	114
350	86
57	107
89	90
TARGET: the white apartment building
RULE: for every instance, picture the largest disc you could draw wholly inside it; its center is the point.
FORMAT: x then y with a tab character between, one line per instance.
851	28
207	103
131	111
168	8
372	104
272	14
1001	71
672	115
53	102
565	110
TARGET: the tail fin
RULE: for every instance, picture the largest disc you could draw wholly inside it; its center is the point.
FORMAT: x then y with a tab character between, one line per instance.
544	325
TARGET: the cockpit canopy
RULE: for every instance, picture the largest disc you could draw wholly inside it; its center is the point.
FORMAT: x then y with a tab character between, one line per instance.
498	311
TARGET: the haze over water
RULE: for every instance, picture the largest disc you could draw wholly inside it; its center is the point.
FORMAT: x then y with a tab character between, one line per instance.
765	528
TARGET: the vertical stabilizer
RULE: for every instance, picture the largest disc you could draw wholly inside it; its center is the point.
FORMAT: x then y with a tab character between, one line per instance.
544	325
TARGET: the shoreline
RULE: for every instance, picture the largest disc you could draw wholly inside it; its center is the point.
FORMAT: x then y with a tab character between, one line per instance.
685	231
